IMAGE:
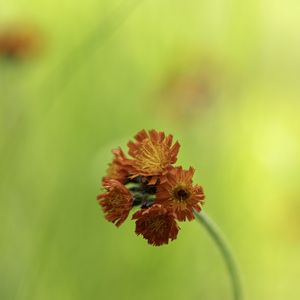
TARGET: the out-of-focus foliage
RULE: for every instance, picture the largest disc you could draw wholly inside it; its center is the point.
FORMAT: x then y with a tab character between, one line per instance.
222	76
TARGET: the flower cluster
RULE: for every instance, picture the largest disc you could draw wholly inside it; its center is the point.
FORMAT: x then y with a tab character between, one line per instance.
148	179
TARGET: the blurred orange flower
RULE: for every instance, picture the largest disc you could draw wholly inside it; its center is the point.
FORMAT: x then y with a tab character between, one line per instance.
19	41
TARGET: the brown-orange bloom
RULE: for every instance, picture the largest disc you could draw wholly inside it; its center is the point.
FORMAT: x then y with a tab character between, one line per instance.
119	168
152	153
116	202
19	41
179	194
156	224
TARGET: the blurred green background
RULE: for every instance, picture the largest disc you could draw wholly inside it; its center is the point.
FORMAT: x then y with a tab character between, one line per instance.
221	76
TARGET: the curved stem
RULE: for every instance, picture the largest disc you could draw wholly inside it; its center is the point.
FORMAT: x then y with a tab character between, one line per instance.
226	251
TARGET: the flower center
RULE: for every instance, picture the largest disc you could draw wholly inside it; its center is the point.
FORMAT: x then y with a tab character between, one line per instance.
153	157
157	224
181	193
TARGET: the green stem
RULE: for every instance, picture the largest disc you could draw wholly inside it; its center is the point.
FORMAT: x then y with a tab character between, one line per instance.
226	251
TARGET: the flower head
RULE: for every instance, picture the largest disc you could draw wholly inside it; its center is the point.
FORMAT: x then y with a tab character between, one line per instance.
118	169
19	41
152	153
179	194
149	180
156	224
116	202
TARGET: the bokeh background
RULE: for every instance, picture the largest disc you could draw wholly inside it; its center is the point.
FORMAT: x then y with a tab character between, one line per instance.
221	76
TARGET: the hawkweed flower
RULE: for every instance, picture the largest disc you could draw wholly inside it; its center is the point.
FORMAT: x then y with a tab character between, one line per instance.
118	168
156	224
19	41
116	201
153	154
179	194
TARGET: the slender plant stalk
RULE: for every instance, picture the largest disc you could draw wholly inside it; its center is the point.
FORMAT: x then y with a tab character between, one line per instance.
226	251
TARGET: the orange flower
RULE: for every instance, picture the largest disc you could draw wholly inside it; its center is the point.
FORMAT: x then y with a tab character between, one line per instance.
156	224
116	202
119	168
19	41
179	194
152	154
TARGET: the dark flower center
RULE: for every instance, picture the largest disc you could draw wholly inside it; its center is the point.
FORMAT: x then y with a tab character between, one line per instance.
181	193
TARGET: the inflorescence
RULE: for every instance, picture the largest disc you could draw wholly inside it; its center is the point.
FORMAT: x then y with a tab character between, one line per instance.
149	180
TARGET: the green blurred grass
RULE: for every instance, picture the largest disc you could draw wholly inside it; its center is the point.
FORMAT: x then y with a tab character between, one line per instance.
62	113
